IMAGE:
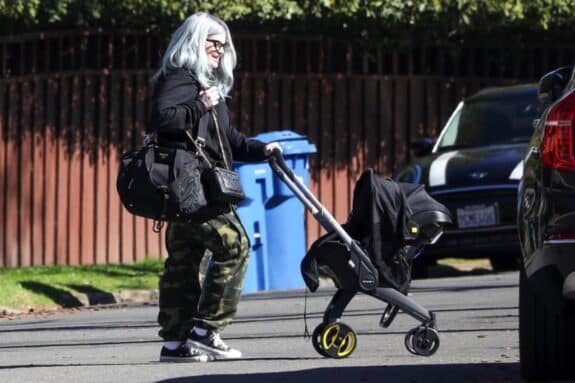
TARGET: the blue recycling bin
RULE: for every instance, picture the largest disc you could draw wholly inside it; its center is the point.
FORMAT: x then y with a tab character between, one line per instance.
256	180
274	217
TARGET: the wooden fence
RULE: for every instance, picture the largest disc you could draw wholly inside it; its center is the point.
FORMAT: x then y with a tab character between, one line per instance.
61	136
72	102
55	52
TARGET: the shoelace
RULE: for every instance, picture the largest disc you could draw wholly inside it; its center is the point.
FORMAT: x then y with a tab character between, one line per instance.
195	352
191	350
218	342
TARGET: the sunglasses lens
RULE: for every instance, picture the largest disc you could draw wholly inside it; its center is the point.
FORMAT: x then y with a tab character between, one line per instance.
218	45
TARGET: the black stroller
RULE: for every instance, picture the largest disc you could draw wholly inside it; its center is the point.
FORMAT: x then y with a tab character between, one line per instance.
371	253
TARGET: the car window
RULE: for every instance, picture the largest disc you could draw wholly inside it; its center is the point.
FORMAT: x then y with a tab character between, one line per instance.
491	122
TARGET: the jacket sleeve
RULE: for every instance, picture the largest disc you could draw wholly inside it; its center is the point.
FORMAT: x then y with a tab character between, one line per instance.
176	106
243	148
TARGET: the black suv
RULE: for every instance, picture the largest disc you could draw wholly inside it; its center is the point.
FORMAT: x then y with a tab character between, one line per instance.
546	225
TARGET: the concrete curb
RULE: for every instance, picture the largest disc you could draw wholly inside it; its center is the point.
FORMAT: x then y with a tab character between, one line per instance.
121	297
90	299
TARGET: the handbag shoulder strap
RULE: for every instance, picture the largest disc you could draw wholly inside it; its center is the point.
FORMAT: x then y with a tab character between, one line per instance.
215	118
200	141
203	129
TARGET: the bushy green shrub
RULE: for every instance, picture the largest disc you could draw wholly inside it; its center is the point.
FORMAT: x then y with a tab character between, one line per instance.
444	17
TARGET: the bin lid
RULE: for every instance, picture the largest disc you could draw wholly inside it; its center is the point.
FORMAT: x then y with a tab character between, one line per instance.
290	141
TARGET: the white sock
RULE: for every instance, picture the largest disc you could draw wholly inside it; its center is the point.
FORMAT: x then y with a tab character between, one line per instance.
172	345
200	331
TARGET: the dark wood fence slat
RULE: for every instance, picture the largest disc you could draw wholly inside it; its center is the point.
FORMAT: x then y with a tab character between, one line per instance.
4	141
39	174
126	116
51	176
12	179
300	123
341	179
103	151
115	210
63	170
357	126
273	109
416	110
286	105
371	111
386	147
432	127
325	145
75	177
400	124
245	110
314	135
416	113
260	96
88	171
26	168
141	235
445	99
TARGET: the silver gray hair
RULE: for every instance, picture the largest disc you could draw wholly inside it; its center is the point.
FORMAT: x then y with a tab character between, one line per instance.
187	50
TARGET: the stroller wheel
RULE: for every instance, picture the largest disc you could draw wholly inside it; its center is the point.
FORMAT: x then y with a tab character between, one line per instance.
336	340
388	315
422	341
316	339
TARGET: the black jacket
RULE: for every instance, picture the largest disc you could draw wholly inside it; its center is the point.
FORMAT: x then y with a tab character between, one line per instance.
176	107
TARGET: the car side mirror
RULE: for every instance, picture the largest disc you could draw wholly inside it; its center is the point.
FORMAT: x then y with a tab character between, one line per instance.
552	84
423	147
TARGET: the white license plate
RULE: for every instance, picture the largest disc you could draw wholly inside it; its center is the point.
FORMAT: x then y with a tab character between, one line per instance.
477	216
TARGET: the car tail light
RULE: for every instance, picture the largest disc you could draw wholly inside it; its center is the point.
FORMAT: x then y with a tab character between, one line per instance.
557	149
561	236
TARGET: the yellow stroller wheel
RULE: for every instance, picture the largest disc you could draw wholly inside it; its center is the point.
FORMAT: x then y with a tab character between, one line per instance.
335	340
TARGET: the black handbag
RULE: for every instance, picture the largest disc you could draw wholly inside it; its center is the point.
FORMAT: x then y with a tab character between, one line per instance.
165	184
169	184
222	184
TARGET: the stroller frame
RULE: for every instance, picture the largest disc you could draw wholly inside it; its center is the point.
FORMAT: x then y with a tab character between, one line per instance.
332	338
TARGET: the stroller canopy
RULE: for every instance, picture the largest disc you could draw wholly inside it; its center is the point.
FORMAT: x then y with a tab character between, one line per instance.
382	219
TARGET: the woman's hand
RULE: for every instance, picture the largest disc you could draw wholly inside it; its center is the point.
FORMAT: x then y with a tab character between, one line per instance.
210	97
269	148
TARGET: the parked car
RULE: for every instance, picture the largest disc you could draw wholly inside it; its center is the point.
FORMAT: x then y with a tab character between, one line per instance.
546	223
474	169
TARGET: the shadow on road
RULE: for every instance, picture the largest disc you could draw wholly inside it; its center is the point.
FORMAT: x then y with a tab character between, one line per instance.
476	373
61	297
95	296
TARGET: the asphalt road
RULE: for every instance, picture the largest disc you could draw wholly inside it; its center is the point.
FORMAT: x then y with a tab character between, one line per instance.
476	315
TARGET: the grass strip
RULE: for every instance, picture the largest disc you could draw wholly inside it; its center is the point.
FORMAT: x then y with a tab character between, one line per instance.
47	287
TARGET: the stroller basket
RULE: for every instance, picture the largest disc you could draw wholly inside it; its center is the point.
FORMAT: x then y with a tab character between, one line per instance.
371	253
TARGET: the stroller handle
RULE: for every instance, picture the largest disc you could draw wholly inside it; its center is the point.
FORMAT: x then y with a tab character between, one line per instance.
295	184
363	264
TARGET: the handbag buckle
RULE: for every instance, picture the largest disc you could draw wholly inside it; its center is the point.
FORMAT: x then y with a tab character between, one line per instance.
201	141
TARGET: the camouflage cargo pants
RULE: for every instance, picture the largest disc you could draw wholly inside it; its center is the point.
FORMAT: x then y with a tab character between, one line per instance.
183	301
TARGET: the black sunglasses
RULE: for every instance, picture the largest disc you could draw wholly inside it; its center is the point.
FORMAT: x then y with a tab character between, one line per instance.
218	45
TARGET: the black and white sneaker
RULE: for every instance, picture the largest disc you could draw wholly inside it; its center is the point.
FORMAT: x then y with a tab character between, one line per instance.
183	354
213	345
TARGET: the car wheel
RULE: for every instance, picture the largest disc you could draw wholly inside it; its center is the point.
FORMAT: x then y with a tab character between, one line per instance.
504	262
546	336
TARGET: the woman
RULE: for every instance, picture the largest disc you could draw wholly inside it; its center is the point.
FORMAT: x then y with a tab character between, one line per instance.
194	78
